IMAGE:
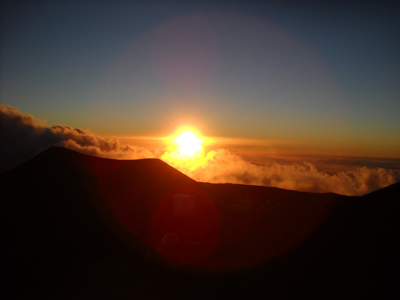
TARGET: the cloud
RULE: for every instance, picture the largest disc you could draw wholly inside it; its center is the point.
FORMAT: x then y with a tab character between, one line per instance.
23	136
223	166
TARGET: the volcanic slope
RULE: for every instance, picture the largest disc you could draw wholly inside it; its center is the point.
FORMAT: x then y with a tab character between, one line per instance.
78	227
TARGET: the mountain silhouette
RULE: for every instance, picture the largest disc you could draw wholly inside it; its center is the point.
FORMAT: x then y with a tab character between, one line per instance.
81	227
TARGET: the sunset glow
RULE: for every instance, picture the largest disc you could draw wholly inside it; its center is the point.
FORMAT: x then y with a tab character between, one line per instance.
185	151
251	94
164	149
189	142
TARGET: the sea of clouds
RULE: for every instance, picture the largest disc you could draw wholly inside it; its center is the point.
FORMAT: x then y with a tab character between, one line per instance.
23	136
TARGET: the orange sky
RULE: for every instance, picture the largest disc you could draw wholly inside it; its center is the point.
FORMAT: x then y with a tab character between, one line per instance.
272	78
345	147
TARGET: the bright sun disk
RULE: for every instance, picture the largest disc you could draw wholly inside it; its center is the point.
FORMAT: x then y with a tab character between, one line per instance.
186	152
189	143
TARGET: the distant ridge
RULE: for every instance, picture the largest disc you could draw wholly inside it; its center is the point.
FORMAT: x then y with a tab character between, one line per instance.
60	157
77	226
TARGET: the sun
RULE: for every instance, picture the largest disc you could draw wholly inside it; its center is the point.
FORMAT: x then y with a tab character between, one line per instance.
185	151
189	143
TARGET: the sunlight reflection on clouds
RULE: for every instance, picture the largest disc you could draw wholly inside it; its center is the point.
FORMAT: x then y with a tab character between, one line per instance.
23	136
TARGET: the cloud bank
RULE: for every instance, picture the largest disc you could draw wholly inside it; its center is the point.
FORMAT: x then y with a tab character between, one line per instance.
224	167
23	136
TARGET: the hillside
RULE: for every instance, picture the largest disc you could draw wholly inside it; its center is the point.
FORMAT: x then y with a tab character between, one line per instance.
79	227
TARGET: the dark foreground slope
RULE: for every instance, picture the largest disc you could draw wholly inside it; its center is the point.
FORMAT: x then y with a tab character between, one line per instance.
80	227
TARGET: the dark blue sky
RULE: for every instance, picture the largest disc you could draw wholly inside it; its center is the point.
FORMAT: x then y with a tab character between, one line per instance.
324	74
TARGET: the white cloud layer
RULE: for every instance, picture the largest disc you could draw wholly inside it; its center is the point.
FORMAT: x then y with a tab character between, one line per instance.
225	167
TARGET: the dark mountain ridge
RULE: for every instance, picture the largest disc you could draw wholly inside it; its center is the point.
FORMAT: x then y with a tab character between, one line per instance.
77	226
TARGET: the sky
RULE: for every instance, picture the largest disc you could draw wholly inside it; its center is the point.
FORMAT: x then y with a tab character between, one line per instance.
270	78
